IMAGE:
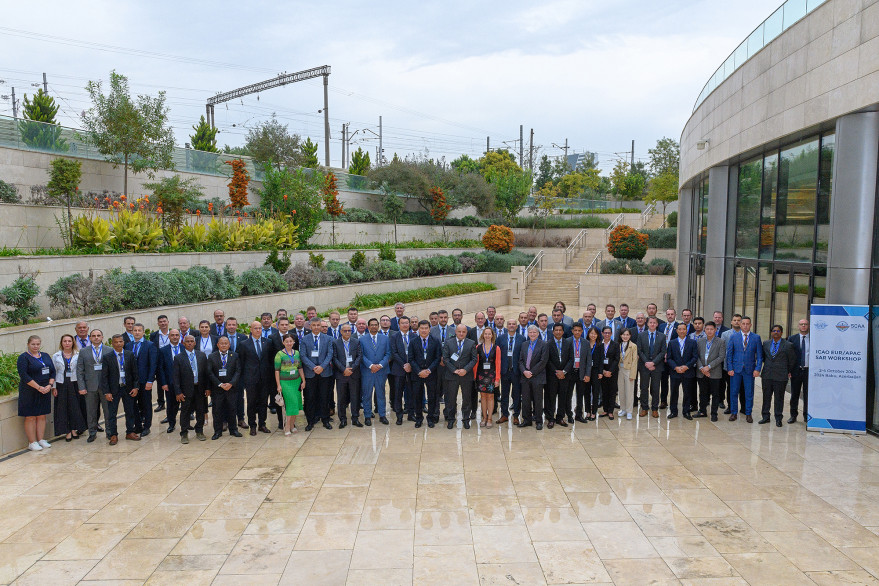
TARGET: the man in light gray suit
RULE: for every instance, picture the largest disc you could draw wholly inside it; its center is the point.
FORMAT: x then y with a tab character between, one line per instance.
459	358
712	352
443	330
89	368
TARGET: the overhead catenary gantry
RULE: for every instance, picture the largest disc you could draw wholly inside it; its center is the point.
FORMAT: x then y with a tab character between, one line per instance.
282	79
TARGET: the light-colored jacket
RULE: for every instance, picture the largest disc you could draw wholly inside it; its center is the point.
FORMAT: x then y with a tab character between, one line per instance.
86	375
630	360
58	359
716	357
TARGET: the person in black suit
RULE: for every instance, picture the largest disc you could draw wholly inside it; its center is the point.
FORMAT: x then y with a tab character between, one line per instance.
192	384
799	379
560	362
218	328
670	329
224	374
651	362
593	397
235	339
459	358
146	356
610	368
424	356
346	367
128	325
160	339
581	371
510	342
186	329
779	362
165	372
399	312
256	360
119	383
680	360
401	369
532	364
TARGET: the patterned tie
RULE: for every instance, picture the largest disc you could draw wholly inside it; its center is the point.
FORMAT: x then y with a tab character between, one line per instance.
530	353
192	364
746	342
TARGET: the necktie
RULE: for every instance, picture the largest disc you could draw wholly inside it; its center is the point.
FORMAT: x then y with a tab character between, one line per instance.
746	342
443	333
650	346
233	339
802	350
558	344
192	365
774	349
223	359
530	353
136	349
258	349
175	349
375	341
511	345
317	344
121	363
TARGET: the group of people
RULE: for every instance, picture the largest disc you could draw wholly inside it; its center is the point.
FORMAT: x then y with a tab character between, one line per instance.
532	369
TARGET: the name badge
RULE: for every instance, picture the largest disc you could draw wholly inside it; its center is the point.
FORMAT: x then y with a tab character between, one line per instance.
348	360
98	366
607	360
68	374
314	354
486	366
509	352
45	370
121	379
221	372
576	364
454	356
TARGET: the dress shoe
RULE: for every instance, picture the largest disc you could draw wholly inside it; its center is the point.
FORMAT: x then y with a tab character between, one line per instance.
654	414
550	424
417	424
466	424
538	426
778	422
524	424
713	417
700	414
184	437
721	405
91	437
280	426
242	424
733	417
68	439
792	419
200	436
672	415
643	413
727	411
235	433
764	420
515	420
749	419
561	422
328	425
581	419
570	419
663	406
253	430
399	421
343	423
132	436
114	440
145	432
356	422
159	409
99	429
264	429
616	405
503	419
216	436
165	420
369	422
450	424
309	427
688	417
411	418
384	420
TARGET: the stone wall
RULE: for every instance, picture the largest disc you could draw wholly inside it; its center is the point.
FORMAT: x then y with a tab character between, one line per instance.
636	290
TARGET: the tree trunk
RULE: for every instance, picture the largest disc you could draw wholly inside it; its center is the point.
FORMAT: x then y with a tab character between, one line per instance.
395	231
125	178
334	230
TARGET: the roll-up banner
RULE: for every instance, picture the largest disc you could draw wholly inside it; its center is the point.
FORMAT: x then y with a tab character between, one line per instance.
838	368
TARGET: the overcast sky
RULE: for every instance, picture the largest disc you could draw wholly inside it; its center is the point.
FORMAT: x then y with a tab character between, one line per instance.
443	75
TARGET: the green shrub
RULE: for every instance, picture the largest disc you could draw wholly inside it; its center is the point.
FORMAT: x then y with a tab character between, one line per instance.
19	296
376	300
616	266
385	270
358	260
278	262
493	262
8	374
662	238
671	220
8	193
358	215
638	267
386	252
261	281
556	222
434	265
469	262
303	276
661	266
614	211
315	260
346	274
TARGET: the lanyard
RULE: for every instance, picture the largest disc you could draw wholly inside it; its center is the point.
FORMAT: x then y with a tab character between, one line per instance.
163	339
531	346
98	352
460	347
175	349
121	361
292	359
67	362
577	349
512	341
708	347
223	359
205	344
346	344
406	341
424	344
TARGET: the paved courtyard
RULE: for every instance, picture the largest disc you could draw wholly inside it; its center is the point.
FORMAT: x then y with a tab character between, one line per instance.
622	502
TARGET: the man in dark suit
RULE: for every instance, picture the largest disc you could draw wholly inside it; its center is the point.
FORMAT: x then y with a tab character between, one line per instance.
559	363
146	356
680	359
651	362
799	380
624	319
234	340
316	352
609	321
120	383
159	338
459	358
533	358
559	318
185	327
711	352
266	322
346	366
399	312
779	362
223	373
424	358
256	362
510	343
192	384
165	372
402	370
219	326
128	324
687	320
670	329
376	356
581	370
744	358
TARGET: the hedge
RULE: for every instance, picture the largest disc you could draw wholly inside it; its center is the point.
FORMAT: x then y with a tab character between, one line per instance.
375	300
8	374
662	238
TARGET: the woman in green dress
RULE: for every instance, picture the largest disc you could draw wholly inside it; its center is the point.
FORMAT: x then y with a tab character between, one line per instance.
291	381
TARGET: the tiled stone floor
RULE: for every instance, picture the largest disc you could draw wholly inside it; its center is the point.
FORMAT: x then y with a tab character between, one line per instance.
622	502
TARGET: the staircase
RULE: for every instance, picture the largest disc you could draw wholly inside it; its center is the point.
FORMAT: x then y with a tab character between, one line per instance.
550	286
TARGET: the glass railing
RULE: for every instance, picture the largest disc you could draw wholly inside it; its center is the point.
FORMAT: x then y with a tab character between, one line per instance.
782	19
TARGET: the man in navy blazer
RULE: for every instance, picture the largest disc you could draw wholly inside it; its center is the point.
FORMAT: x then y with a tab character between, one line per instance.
510	344
165	375
624	319
744	358
424	357
532	364
257	366
376	352
680	360
316	351
146	356
670	328
399	311
346	366
402	370
235	339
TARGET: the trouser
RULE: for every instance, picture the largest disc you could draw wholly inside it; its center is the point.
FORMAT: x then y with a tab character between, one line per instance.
239	405
172	406
552	392
532	400
465	383
650	387
392	384
279	411
373	387
581	389
402	395
738	382
592	398
196	403
129	406
224	405
634	385
256	406
474	401
624	388
68	417
799	381
609	392
160	396
421	388
317	399
687	386
565	394
773	389
511	386
724	387
727	382
83	409
94	402
710	391
347	394
143	403
664	383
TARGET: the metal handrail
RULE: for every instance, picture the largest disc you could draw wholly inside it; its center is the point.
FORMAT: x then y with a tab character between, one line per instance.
534	267
616	222
648	213
575	246
595	265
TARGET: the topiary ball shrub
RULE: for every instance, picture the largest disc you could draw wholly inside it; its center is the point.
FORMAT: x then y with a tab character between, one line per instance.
498	239
626	242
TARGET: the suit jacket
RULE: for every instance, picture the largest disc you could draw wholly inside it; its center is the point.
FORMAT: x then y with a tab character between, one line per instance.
256	370
584	368
670	334
184	381
716	356
335	333
278	343
628	322
796	343
340	360
592	325
539	358
743	360
435	332
674	357
324	357
563	361
234	340
218	330
567	328
421	360
690	328
472	333
128	338
777	368
636	334
610	360
206	351
110	373
147	360
378	352
233	371
657	356
615	325
154	337
86	376
400	352
466	358
510	364
267	332
630	361
395	324
165	370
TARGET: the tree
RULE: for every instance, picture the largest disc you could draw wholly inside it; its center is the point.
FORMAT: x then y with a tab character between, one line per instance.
511	192
359	163
131	133
238	184
271	142
464	164
393	206
665	157
39	129
65	175
439	209
544	171
499	161
560	168
663	189
294	192
309	154
173	196
240	151
546	199
332	204
626	184
590	161
204	138
574	184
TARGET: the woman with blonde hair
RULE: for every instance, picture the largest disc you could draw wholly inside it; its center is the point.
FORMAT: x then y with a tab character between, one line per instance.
36	377
68	415
488	373
628	372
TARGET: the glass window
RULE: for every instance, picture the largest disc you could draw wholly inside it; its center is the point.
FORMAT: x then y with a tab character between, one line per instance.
822	211
738	305
772	27
797	192
781	304
770	191
765	295
748	211
703	223
819	290
800	307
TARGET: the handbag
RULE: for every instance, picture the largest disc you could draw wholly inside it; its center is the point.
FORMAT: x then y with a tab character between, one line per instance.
279	400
